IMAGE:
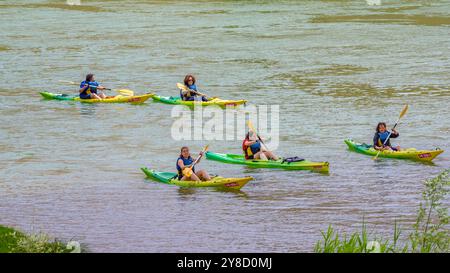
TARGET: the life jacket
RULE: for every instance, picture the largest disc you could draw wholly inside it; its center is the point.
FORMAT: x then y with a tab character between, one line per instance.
382	138
186	161
92	88
248	152
192	87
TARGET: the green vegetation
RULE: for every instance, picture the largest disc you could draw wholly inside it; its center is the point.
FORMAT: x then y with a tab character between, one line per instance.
431	231
14	241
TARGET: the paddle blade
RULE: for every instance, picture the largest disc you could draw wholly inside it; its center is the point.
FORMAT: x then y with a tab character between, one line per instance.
405	109
182	86
187	172
376	156
126	92
250	126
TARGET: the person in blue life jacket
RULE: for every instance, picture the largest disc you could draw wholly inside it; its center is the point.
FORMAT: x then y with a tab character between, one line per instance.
381	135
189	95
185	161
89	87
253	150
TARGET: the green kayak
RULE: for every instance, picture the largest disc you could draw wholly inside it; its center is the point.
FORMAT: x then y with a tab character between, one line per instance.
409	153
239	159
217	181
214	101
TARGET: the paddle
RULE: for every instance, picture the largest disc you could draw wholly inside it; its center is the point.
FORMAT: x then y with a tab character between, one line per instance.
125	92
188	171
185	88
250	126
402	113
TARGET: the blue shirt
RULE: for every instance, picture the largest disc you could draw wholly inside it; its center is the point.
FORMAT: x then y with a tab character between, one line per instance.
92	89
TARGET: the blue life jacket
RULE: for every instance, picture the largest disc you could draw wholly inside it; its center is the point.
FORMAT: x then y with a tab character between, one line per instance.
383	137
92	89
255	147
186	161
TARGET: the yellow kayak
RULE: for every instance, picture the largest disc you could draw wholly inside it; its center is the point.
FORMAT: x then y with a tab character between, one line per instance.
214	101
217	181
410	153
112	99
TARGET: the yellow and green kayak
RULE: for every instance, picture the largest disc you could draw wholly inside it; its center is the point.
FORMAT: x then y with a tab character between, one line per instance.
410	153
214	101
279	164
217	181
112	99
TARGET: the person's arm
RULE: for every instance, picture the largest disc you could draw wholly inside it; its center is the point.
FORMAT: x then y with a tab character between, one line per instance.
186	93
84	88
181	164
249	142
376	137
394	134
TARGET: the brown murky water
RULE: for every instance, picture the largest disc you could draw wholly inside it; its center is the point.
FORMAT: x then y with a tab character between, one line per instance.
335	68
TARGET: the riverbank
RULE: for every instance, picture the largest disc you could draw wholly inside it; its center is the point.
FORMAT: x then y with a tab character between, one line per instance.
15	241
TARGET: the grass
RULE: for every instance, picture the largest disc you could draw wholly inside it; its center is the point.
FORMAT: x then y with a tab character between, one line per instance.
430	234
14	241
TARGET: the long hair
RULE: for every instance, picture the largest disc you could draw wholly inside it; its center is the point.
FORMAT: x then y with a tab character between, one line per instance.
378	126
186	79
89	77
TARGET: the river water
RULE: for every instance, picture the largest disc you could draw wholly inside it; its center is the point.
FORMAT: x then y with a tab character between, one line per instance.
335	68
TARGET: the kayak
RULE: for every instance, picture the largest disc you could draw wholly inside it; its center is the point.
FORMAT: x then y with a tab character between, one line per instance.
410	153
213	101
112	99
217	181
240	159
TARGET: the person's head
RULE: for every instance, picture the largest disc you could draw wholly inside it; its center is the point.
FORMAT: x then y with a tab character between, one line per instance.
184	152
189	80
90	78
381	127
250	135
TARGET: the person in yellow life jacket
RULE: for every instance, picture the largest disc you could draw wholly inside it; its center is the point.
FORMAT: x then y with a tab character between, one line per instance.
253	150
382	135
88	88
185	161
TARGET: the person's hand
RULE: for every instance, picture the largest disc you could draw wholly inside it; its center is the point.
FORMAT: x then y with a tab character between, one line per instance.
201	153
394	131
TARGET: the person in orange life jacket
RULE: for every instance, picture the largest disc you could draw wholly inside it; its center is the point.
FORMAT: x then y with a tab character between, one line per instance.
189	81
380	137
88	88
185	161
253	150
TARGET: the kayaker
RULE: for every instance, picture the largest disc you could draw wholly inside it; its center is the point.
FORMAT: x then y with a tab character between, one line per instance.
184	161
381	135
88	88
188	95
253	150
